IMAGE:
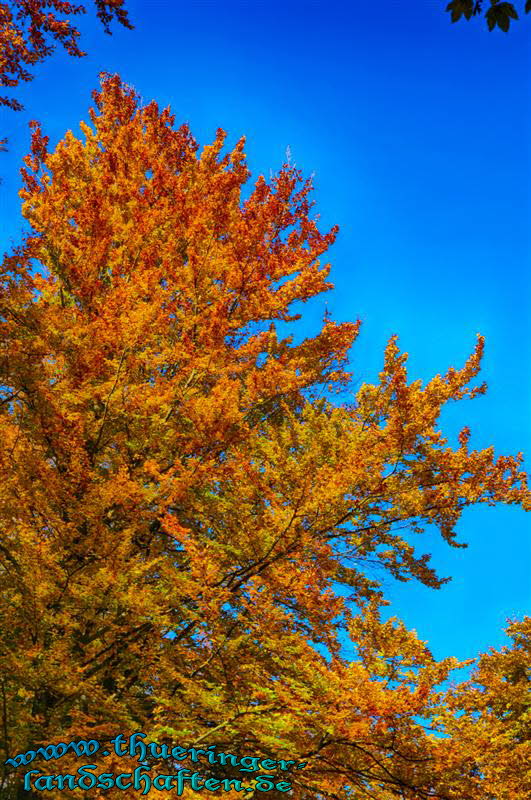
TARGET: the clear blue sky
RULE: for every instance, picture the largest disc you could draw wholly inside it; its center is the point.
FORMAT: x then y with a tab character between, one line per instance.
417	132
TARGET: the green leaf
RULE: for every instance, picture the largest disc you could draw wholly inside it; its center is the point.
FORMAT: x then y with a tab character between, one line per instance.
503	23
528	7
491	19
508	9
454	8
460	7
500	15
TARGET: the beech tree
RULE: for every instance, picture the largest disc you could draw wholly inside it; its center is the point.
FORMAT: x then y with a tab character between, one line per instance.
487	720
29	30
183	490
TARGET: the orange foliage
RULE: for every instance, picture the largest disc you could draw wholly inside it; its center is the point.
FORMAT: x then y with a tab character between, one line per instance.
487	721
28	29
170	465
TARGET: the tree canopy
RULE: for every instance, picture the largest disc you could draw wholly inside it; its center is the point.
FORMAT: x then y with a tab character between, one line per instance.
29	31
488	721
194	520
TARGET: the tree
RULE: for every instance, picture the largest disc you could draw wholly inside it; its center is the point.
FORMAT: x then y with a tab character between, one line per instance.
488	721
28	31
27	34
183	489
498	14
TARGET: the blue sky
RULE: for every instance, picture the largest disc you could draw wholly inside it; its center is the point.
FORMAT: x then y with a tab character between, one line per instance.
417	133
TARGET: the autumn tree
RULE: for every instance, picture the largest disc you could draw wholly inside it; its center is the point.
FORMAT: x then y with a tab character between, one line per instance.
184	489
487	724
29	31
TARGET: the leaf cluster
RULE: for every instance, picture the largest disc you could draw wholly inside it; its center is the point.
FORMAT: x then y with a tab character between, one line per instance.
498	14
